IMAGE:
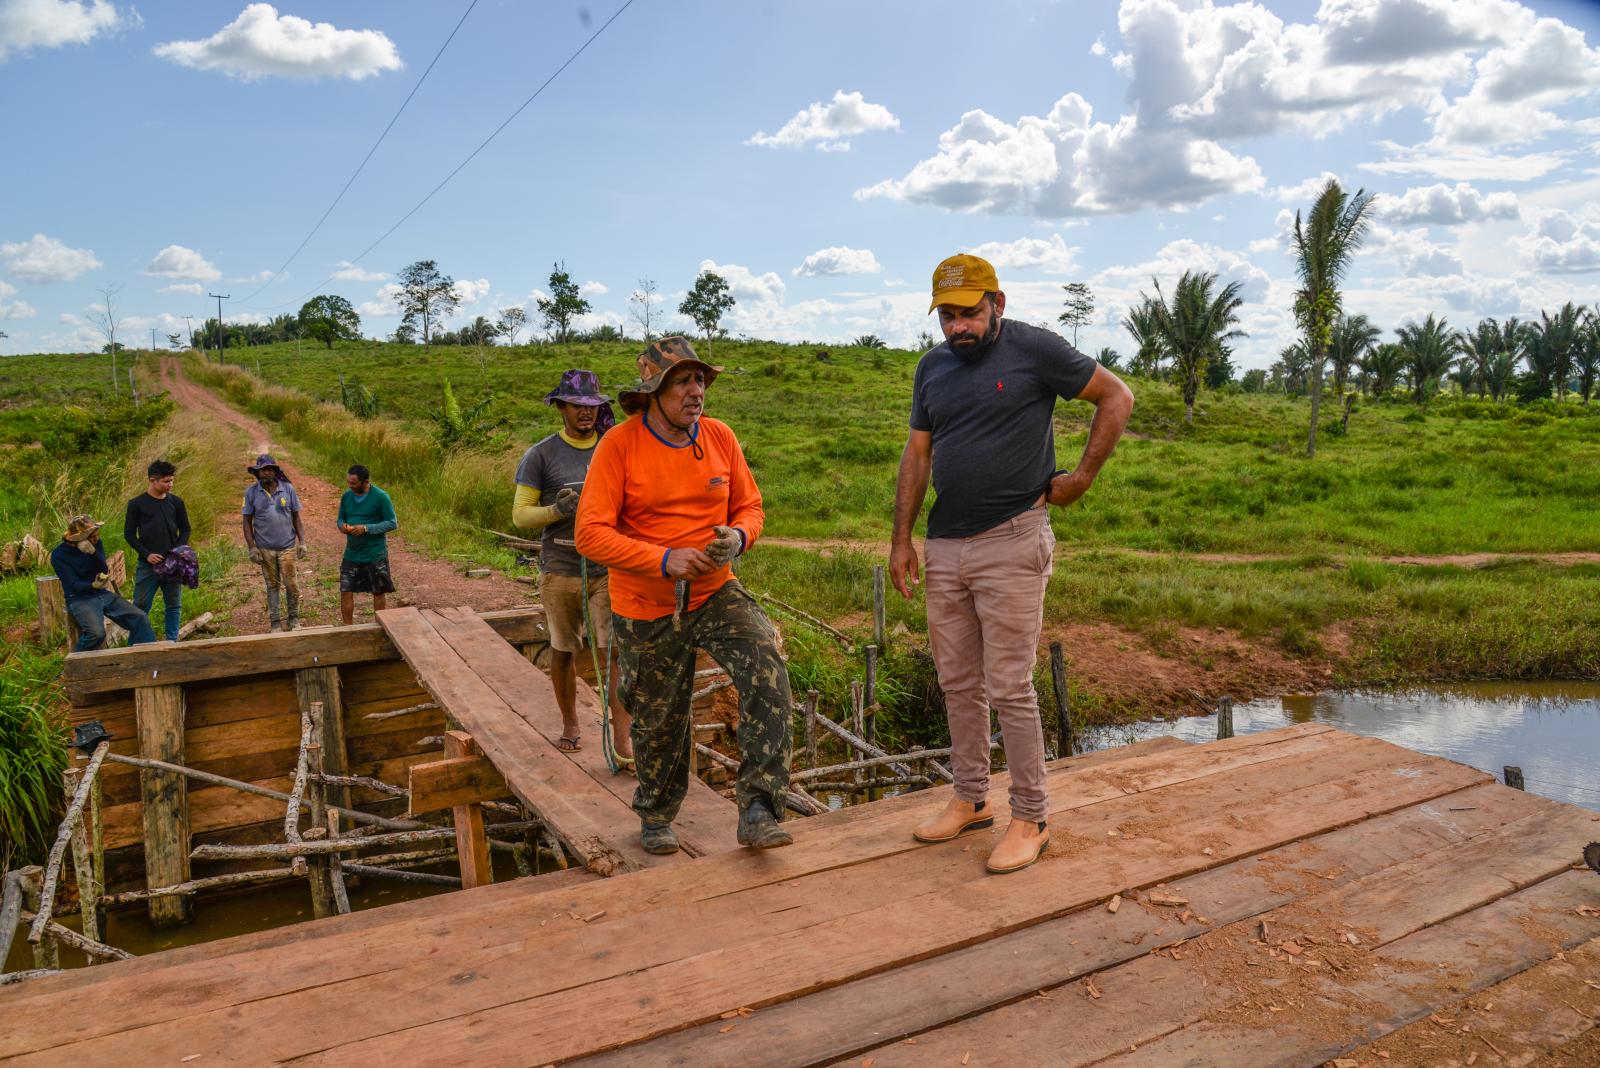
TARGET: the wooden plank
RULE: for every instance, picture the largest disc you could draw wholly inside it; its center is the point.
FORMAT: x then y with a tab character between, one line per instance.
165	800
472	844
781	884
1155	997
885	1008
707	822
590	822
441	784
211	658
1523	1017
592	1017
568	964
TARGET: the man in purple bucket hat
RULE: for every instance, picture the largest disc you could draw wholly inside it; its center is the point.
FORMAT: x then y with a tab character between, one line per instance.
549	481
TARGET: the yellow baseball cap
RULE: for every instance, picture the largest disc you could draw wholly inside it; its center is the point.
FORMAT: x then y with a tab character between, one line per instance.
962	280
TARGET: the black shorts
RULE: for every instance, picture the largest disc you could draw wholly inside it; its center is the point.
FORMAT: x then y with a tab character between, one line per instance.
365	578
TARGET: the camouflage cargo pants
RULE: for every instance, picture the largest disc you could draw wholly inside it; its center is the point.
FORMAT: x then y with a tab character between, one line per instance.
656	662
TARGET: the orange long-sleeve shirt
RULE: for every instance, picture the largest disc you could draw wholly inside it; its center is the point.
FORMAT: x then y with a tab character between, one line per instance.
644	496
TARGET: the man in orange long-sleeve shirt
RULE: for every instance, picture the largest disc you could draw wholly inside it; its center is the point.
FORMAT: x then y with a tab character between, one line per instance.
668	504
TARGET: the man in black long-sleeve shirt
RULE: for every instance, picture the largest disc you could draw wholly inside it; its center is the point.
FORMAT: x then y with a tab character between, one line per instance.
156	523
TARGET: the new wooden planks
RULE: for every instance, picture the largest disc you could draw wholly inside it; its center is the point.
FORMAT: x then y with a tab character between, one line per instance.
642	1003
868	1013
227	982
593	823
257	654
1155	996
706	823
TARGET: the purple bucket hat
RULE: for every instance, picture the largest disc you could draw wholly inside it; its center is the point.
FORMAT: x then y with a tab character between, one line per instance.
583	387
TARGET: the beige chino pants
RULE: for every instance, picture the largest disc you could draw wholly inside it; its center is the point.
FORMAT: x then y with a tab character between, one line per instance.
985	613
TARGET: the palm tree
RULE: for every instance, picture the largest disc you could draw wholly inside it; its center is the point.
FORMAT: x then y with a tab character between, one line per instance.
1382	365
1479	350
1501	371
1352	336
1586	359
1429	348
1551	345
1141	324
1292	368
1324	247
1194	327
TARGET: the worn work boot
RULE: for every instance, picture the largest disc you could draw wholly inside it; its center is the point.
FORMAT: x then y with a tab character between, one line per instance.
658	838
957	819
760	829
1024	842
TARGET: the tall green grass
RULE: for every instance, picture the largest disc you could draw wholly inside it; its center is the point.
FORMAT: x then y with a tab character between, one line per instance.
33	754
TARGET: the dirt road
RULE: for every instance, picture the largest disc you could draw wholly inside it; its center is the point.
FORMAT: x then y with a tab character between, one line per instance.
420	580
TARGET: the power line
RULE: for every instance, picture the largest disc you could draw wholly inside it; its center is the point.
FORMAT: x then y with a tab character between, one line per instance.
365	159
471	155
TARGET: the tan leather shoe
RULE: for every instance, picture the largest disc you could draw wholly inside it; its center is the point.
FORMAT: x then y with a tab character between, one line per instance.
1024	842
957	819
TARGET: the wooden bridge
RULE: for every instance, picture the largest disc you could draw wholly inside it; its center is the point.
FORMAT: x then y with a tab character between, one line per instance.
1283	898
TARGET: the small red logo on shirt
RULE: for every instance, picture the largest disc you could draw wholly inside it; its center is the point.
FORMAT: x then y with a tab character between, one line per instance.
999	384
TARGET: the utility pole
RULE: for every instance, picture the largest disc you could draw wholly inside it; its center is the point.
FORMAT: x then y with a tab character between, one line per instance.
153	344
222	338
189	319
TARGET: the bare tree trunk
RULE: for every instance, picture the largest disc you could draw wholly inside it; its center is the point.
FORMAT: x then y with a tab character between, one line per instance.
1316	403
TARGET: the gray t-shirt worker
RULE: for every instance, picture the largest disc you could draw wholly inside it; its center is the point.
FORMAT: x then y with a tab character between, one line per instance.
982	413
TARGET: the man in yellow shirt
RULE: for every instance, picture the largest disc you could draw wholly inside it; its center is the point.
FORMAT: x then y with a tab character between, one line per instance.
549	481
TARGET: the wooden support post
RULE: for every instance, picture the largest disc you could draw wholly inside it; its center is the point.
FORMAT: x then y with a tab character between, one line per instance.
56	626
321	684
318	869
83	863
302	774
870	691
877	606
858	717
1514	778
811	727
1224	717
1065	742
46	954
341	895
159	711
472	843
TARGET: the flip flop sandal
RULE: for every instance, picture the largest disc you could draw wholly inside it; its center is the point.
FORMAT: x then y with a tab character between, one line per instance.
626	764
569	745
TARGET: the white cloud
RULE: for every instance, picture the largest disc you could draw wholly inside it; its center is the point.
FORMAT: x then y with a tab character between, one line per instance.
44	259
260	276
1099	46
831	124
838	259
1186	254
746	285
348	272
29	24
593	289
1413	253
261	42
469	291
1464	164
385	302
1559	242
1306	190
1443	205
1063	164
191	288
534	296
14	309
175	261
1052	256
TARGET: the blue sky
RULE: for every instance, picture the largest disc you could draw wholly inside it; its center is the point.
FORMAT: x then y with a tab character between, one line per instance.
823	156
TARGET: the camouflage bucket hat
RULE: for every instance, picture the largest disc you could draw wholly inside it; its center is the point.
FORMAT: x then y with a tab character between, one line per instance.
578	387
80	527
654	363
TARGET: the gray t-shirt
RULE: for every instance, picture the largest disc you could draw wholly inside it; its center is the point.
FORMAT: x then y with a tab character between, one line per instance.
547	467
994	443
272	514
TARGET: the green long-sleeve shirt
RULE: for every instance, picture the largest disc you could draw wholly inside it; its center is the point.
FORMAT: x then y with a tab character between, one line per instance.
374	511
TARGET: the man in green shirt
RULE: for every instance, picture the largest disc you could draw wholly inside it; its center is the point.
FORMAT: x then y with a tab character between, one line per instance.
366	516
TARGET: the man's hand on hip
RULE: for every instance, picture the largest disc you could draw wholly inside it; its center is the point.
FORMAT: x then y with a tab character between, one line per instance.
903	569
688	563
1067	487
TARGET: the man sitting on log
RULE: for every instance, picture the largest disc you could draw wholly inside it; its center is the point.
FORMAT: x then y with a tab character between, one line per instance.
91	594
669	502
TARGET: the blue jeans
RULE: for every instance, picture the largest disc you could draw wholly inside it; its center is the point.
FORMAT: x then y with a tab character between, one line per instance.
145	584
92	612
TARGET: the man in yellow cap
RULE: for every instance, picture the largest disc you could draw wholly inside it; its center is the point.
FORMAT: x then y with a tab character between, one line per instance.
982	412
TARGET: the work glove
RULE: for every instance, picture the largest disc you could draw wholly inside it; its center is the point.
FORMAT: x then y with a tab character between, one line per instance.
725	546
301	551
567	502
102	581
255	554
